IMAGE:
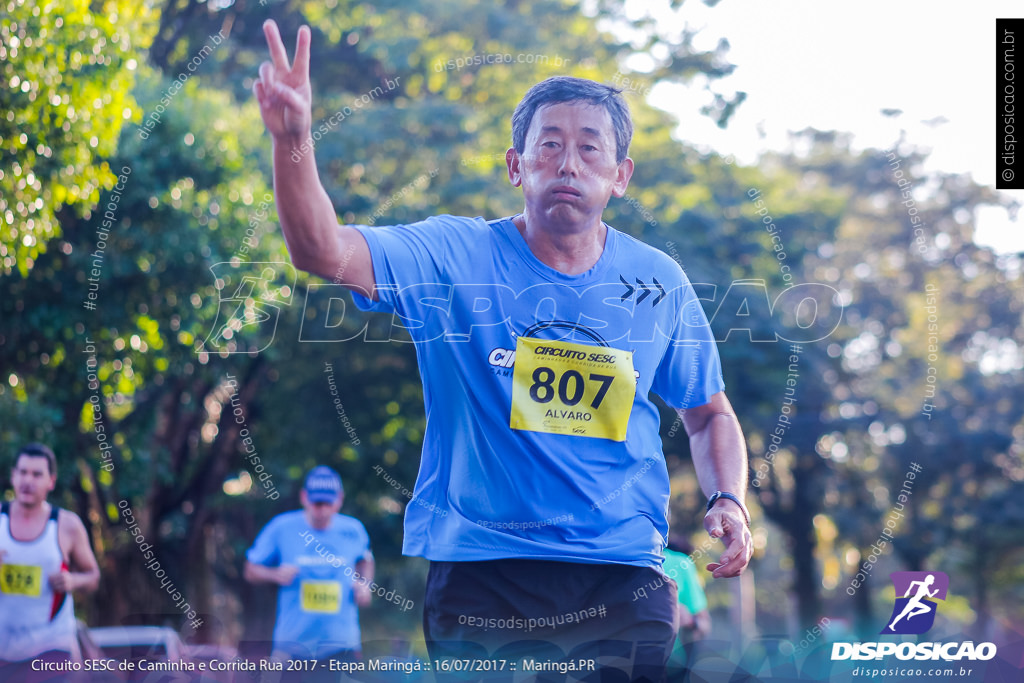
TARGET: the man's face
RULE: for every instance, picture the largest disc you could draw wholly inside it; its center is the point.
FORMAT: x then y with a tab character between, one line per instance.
32	480
568	169
320	514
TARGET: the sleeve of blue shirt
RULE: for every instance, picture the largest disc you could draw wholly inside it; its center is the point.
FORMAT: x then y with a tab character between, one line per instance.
405	255
690	372
364	543
265	549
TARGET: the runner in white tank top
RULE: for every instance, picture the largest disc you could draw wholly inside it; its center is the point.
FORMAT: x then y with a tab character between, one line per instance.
45	618
40	545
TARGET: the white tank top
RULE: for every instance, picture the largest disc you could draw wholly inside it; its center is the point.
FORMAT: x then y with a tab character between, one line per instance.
34	618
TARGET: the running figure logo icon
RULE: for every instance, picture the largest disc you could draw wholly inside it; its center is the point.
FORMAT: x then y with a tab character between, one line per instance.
252	296
914	613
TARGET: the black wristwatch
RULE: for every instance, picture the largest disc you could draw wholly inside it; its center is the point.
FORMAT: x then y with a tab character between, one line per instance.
728	496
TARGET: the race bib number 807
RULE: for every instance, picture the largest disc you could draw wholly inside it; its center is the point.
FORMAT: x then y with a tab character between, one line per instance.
567	388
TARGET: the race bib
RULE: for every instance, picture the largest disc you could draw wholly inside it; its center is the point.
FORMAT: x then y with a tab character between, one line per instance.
566	388
21	579
321	596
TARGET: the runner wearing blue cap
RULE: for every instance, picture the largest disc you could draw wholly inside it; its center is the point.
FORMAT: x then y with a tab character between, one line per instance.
322	563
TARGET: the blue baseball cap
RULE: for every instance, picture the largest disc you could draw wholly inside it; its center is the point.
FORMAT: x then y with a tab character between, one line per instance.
323	485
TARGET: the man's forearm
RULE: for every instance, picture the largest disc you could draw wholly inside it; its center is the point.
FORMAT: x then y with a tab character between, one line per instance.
87	581
258	573
720	456
365	570
307	216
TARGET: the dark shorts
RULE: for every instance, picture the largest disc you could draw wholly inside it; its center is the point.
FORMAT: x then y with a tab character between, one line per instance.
536	613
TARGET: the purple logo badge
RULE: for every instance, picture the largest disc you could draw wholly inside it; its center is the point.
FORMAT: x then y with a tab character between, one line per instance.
914	612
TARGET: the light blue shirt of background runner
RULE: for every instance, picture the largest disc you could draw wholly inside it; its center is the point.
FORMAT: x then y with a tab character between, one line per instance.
327	555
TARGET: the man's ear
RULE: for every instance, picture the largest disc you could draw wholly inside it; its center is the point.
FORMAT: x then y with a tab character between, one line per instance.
622	176
514	163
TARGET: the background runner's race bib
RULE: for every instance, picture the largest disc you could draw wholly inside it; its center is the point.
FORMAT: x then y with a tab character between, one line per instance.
321	596
577	389
21	579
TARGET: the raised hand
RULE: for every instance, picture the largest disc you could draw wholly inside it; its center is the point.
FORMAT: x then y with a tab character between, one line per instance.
283	91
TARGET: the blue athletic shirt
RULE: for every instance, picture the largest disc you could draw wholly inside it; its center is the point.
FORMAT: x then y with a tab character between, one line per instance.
316	614
470	293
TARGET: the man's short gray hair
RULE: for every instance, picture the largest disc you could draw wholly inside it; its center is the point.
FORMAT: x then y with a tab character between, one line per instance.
566	89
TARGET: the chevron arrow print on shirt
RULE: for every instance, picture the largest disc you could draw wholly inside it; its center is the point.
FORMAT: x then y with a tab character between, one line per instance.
646	290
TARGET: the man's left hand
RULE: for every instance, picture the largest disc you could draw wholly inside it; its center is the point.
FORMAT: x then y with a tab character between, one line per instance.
62	581
725	521
362	594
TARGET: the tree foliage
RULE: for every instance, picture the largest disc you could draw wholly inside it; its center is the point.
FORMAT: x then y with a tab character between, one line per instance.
203	336
69	67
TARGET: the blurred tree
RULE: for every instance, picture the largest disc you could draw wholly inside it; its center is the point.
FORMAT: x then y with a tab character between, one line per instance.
185	301
917	372
68	69
132	353
859	417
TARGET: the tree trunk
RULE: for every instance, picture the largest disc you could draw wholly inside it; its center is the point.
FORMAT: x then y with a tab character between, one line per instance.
980	628
807	579
864	615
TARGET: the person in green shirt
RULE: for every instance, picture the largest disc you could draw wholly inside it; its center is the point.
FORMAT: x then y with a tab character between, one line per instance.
693	621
